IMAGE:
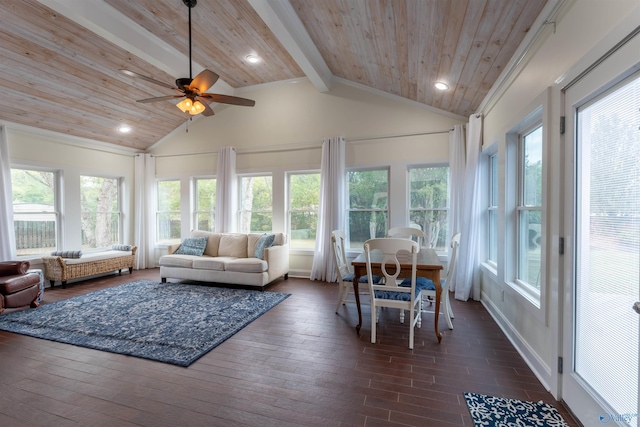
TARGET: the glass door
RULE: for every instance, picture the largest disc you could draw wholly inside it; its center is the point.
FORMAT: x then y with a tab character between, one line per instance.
601	344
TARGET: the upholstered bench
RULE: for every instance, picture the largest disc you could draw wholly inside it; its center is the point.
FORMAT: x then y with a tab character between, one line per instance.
61	269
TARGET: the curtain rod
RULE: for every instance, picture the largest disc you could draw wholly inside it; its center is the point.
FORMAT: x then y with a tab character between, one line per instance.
298	146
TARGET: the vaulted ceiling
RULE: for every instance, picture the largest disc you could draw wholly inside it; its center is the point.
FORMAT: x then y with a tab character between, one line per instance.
60	59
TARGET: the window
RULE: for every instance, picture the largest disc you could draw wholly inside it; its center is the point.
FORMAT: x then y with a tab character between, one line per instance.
256	206
367	205
304	200
205	207
168	213
429	204
99	204
492	211
35	214
529	208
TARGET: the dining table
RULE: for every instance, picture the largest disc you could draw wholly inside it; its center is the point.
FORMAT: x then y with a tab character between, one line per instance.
428	265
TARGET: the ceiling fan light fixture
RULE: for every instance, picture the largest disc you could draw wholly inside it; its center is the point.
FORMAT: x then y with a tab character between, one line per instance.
441	85
191	107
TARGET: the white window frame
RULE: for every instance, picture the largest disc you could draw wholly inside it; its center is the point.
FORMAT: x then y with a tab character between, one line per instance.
532	299
57	196
290	210
118	212
522	208
240	207
492	196
196	207
159	212
349	210
446	209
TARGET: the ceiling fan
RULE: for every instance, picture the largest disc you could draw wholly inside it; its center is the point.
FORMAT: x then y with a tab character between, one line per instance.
193	90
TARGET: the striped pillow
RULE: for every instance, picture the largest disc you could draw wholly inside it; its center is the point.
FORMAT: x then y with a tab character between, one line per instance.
117	247
67	254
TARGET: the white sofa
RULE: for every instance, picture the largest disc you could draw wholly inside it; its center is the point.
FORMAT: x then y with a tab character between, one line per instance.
229	258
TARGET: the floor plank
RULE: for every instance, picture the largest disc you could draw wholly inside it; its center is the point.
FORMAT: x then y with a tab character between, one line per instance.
300	364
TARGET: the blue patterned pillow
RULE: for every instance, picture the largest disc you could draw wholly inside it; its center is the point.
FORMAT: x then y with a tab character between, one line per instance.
265	241
67	254
192	246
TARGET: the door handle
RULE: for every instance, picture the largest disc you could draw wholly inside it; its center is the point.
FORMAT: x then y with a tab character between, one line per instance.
636	307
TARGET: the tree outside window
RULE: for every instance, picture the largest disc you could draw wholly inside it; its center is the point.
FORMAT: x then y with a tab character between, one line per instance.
35	218
205	209
429	206
168	213
256	204
304	202
368	205
99	203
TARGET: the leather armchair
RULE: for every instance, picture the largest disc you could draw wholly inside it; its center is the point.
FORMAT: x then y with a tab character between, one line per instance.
18	287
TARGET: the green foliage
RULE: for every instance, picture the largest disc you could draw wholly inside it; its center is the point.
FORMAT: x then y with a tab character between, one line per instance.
32	186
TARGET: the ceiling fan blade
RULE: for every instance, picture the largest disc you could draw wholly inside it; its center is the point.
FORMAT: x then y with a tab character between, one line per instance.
203	81
149	79
159	98
226	99
208	111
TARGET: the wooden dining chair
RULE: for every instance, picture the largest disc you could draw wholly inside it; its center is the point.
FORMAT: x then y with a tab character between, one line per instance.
345	275
430	289
389	293
411	233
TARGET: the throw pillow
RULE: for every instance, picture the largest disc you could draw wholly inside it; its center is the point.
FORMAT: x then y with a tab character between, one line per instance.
117	247
67	254
192	246
266	241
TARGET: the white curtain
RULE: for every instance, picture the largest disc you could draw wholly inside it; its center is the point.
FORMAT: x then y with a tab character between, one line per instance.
226	196
331	209
457	161
467	274
8	240
145	202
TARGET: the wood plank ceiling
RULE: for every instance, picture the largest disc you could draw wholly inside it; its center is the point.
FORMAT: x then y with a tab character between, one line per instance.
60	73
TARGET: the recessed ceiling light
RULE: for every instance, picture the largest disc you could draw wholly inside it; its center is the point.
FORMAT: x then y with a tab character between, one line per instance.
441	85
124	128
252	58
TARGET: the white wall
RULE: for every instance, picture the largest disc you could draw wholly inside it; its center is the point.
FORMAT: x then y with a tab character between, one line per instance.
283	132
72	160
579	28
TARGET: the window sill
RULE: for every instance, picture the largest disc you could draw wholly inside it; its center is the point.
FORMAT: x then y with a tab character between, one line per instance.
491	270
528	300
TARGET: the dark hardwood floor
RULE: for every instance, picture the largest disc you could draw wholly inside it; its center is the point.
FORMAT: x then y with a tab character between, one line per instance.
299	364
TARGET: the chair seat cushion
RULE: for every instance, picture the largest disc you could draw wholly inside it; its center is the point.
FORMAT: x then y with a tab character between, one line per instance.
362	279
423	283
18	282
395	295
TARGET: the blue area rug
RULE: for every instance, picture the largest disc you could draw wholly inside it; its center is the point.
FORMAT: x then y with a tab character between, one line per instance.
167	322
489	411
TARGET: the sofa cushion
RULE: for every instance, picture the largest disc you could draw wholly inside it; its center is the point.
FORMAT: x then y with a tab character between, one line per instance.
233	245
246	265
192	246
178	260
266	241
210	263
252	241
213	241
